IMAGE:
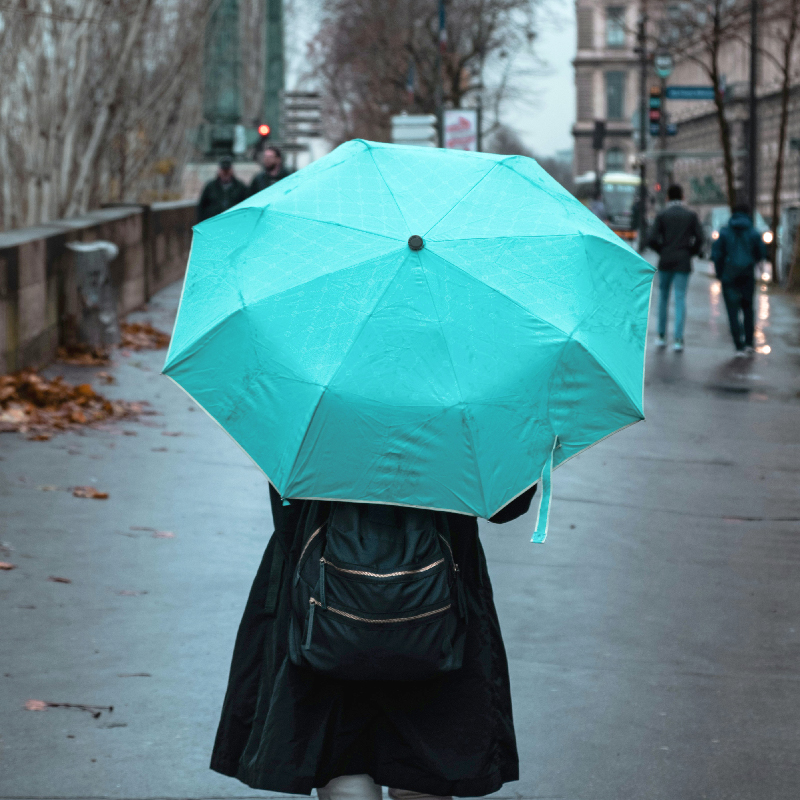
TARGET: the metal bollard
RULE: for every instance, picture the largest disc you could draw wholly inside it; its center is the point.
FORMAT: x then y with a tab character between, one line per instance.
98	326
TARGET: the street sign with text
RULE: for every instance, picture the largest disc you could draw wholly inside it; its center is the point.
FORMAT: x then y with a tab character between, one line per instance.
690	92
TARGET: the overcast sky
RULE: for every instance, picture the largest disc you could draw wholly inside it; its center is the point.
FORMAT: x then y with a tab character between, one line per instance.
544	119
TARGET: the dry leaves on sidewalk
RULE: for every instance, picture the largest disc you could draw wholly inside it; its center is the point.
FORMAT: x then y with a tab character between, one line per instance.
82	355
6	565
39	406
90	492
56	579
142	336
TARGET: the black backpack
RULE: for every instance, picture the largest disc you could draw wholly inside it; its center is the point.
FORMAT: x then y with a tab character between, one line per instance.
377	595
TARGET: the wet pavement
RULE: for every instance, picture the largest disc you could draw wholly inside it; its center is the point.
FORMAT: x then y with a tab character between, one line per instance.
654	640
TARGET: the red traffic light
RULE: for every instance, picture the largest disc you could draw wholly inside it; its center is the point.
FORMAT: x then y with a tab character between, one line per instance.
264	130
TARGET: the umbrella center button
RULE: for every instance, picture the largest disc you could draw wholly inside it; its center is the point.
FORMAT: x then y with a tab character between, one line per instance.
416	242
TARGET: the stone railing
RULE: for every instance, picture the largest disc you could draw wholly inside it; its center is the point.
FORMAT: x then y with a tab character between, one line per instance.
38	291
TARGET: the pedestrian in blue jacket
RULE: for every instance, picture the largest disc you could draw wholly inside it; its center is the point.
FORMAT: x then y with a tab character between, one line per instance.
735	255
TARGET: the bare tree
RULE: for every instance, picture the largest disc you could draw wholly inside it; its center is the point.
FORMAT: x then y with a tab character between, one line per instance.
365	50
93	92
698	31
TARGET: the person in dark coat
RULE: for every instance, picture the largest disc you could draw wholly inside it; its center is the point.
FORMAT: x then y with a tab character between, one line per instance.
676	236
735	255
222	193
273	171
286	728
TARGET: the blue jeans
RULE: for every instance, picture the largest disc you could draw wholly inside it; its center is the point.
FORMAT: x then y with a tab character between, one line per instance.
666	280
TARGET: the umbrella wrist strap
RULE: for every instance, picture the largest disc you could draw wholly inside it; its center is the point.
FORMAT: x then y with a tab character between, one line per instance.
543	517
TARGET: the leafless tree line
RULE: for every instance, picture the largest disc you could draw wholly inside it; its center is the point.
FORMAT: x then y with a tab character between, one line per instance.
365	49
96	100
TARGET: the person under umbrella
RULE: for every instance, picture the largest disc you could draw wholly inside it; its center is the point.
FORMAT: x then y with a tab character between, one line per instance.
404	340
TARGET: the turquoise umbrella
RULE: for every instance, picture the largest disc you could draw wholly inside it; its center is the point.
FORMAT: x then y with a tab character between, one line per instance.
413	326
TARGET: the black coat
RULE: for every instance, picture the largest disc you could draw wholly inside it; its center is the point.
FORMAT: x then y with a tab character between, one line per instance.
676	236
265	179
216	197
288	729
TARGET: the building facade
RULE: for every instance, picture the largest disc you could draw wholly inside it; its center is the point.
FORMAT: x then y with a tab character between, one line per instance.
607	83
607	89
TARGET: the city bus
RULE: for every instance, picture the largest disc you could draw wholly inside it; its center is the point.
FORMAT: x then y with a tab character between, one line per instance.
620	192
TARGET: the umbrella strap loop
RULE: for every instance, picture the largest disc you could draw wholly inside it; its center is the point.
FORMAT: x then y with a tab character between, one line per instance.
543	517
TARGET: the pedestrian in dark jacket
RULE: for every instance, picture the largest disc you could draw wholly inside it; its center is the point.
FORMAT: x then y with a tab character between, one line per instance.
273	171
287	728
735	255
222	193
676	236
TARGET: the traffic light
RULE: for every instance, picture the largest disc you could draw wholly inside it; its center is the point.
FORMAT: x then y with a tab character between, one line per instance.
655	110
263	132
598	134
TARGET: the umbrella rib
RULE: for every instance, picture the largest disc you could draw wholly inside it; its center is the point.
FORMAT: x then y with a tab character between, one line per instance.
325	388
464	196
458	384
388	189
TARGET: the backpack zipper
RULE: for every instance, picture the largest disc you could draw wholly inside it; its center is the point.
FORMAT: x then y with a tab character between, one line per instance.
366	574
314	602
303	552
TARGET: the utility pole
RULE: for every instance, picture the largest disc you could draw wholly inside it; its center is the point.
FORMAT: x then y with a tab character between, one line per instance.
752	127
643	120
441	49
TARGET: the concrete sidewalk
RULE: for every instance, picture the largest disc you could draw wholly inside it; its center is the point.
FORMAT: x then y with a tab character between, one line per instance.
654	640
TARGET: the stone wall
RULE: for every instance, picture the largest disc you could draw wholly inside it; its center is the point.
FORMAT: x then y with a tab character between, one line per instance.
38	294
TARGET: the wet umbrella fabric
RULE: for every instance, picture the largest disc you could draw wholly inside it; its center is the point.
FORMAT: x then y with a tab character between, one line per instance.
413	326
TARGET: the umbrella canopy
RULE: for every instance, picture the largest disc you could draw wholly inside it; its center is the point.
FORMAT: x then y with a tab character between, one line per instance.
412	326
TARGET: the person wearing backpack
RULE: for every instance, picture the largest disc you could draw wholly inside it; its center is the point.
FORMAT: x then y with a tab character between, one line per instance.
370	655
676	236
735	255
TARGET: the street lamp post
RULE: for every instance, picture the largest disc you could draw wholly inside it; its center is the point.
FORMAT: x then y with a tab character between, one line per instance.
643	118
752	127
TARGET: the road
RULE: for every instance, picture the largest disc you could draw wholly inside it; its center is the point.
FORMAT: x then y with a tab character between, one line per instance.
654	640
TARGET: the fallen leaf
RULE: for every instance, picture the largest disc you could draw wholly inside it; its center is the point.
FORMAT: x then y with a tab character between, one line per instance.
90	492
142	336
49	488
56	579
160	449
130	433
39	407
163	535
43	705
134	675
171	433
6	565
130	593
83	355
106	378
142	528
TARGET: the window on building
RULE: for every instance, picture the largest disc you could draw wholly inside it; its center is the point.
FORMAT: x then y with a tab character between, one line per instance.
615	95
615	160
615	26
585	29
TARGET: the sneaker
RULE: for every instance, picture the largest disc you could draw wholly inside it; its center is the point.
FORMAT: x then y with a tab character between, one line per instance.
740	354
661	342
678	346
